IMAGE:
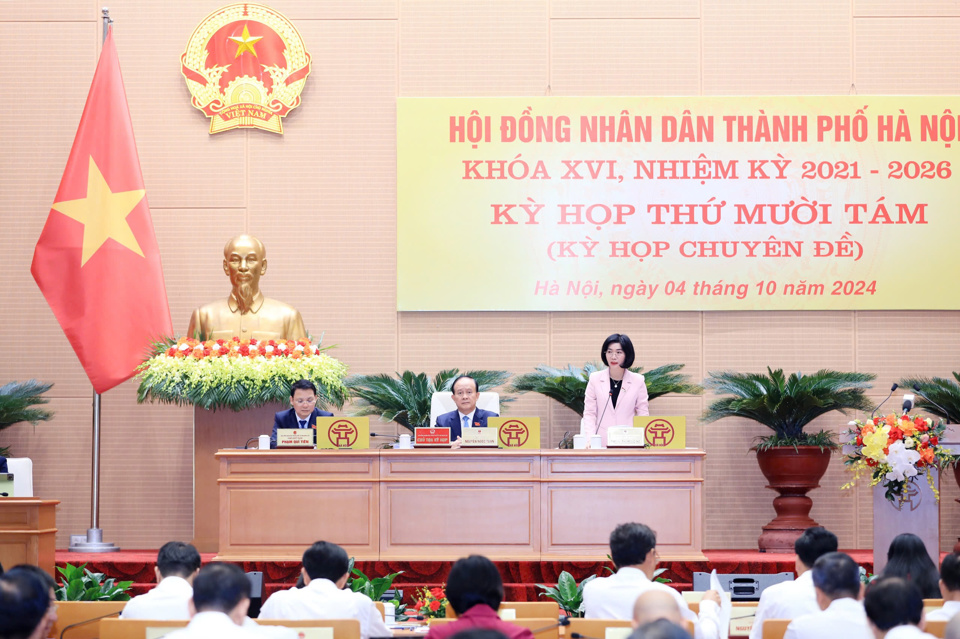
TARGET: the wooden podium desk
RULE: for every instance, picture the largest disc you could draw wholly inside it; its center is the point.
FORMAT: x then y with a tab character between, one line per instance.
441	504
28	532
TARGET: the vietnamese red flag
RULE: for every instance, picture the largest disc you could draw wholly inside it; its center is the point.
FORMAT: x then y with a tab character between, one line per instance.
97	261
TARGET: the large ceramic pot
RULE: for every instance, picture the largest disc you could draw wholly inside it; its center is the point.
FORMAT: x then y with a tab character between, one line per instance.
792	472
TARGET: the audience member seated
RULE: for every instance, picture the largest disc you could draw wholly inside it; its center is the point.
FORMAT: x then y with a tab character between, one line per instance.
479	633
218	608
949	589
953	628
792	599
836	581
26	611
653	605
325	572
660	629
894	609
633	548
177	565
475	590
908	559
51	587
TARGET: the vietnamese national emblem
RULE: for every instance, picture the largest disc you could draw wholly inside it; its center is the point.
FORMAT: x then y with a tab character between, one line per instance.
245	66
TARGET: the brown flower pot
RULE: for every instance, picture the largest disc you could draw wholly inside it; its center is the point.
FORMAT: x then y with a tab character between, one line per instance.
792	473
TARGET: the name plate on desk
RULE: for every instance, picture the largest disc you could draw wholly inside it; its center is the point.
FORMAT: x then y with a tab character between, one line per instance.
516	432
431	437
480	437
295	437
343	432
663	432
626	437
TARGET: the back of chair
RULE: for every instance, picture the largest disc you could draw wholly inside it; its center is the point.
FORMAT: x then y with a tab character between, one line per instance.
595	627
342	628
84	613
937	628
775	628
442	402
132	628
932	604
381	609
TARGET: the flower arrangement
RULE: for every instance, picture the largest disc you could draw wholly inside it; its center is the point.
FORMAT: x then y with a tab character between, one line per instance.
238	373
895	450
431	602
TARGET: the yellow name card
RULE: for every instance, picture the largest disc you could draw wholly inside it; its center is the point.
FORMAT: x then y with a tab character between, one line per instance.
516	432
343	432
663	431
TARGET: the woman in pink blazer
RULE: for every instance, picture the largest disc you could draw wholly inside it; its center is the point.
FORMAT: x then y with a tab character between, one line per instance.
615	395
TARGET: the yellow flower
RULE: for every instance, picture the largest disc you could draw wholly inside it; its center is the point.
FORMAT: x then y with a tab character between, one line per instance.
875	442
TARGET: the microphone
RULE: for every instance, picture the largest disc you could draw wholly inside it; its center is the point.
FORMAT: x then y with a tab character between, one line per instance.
564	621
577	635
892	389
395	438
907	404
609	397
916	387
86	621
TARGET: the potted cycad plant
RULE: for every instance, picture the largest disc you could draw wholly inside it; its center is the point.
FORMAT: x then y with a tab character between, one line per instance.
406	398
793	461
19	402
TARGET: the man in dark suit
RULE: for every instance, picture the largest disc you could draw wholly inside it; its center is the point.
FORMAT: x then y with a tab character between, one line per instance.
466	392
304	411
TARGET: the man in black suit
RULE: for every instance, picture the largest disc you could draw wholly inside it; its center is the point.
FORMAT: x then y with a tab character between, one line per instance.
466	392
304	411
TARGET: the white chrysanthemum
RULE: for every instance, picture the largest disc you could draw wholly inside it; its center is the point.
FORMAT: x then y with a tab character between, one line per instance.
184	347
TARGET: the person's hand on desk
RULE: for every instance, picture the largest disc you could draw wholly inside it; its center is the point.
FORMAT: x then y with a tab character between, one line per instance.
711	595
457	443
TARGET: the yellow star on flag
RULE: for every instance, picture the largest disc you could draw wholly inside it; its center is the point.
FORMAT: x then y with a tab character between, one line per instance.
245	42
103	214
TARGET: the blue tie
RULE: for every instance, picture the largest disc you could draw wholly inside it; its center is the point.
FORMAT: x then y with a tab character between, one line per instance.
466	421
303	423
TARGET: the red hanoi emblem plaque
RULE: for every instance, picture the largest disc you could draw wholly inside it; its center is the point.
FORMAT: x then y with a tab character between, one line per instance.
514	434
343	434
245	66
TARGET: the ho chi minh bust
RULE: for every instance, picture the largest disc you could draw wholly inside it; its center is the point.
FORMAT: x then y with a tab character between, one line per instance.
246	313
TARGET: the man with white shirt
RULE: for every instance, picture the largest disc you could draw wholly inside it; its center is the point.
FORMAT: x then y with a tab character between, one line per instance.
792	599
218	608
949	589
177	565
953	629
894	609
836	580
325	572
634	552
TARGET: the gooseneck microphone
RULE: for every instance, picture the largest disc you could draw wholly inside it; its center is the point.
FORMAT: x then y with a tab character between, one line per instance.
892	389
115	613
564	621
577	635
596	429
916	387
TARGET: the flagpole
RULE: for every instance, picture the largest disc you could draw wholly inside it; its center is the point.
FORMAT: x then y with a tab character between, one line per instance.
93	541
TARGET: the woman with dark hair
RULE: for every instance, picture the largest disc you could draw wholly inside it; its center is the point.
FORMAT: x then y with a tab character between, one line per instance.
475	590
908	558
615	395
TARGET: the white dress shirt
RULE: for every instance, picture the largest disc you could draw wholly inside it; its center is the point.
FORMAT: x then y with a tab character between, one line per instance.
321	599
167	601
207	625
907	632
613	598
844	617
949	610
787	600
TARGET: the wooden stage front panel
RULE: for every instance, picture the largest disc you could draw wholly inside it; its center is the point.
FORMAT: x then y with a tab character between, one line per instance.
434	505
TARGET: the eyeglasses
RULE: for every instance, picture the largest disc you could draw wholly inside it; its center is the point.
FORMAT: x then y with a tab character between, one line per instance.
302	402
